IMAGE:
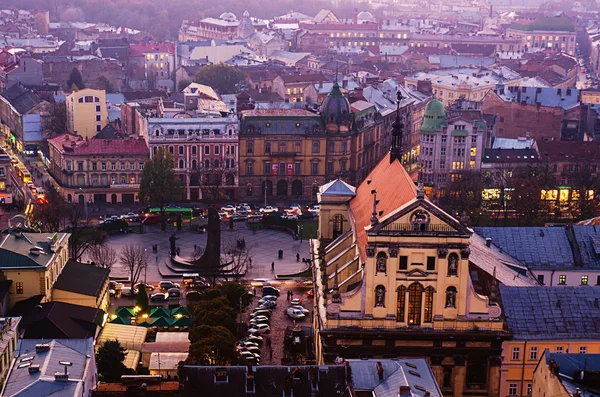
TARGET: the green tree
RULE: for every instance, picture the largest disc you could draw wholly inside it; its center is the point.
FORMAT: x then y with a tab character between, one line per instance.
141	300
109	360
464	195
158	185
211	345
182	84
223	78
40	23
83	237
75	80
48	217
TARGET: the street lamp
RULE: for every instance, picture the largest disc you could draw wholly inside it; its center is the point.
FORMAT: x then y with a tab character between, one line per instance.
85	205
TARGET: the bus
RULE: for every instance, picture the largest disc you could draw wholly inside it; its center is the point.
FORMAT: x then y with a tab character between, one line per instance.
26	176
186	213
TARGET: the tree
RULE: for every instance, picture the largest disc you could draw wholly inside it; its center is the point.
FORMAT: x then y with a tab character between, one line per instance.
158	185
102	255
182	84
215	175
109	360
223	78
141	299
75	81
464	194
216	349
105	84
135	259
83	236
237	256
526	198
48	217
57	122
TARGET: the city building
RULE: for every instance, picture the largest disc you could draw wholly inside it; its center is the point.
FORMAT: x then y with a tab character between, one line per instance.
22	115
452	142
7	184
471	84
560	319
26	70
33	262
152	65
566	375
291	87
86	112
97	73
225	27
556	256
83	284
537	113
97	170
203	137
395	276
9	332
555	33
42	367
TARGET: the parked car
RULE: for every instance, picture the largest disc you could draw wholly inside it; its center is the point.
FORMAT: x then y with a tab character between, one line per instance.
301	308
260	313
250	356
239	217
228	208
295	314
261	319
244	207
290	216
268	209
148	287
260	329
193	295
255	338
127	291
253	349
115	285
128	215
166	284
296	301
266	299
270	290
159	297
245	344
315	209
29	184
268	304
174	293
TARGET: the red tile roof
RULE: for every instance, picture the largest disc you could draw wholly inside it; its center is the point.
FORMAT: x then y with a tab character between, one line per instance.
394	189
140	49
76	146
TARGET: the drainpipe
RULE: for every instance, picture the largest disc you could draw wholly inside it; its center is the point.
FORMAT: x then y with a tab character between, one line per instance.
523	369
552	278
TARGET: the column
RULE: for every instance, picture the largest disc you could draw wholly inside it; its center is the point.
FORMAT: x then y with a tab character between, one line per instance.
459	374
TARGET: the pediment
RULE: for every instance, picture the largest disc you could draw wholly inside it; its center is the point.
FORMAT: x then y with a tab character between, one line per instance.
417	273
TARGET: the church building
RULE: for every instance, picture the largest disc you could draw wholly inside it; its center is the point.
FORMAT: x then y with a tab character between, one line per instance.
396	276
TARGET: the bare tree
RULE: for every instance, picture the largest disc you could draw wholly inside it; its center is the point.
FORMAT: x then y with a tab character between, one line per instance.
238	256
135	258
103	255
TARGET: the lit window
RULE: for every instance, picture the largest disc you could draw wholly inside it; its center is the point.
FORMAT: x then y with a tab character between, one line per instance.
19	288
562	279
584	280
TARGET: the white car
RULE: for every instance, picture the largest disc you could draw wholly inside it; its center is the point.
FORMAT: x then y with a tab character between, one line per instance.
268	209
260	329
296	302
244	207
29	184
315	209
250	355
290	216
246	345
301	308
260	319
295	314
228	208
128	215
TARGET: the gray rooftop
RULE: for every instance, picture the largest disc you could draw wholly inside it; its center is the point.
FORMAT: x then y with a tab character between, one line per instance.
536	313
21	98
510	143
412	372
15	250
78	352
337	188
566	98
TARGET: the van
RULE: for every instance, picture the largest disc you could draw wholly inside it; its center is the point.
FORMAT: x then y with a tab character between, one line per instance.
128	291
269	290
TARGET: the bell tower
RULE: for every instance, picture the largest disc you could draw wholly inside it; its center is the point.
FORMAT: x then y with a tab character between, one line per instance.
333	198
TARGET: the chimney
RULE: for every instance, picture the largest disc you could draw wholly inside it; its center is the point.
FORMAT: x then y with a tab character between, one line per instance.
380	370
488	242
355	15
404	391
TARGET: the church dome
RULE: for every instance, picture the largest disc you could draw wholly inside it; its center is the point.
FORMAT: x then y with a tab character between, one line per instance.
434	116
364	15
228	16
336	107
246	14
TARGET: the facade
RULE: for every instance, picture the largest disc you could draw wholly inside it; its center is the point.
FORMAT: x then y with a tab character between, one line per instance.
33	262
97	170
58	366
83	285
9	330
451	143
566	375
537	113
27	71
555	33
395	276
86	112
6	179
203	138
95	71
291	87
541	318
225	27
153	63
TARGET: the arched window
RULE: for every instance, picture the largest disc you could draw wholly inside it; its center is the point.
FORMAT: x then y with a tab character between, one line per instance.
338	225
298	147
381	263
428	312
229	180
268	147
380	296
296	188
181	164
450	297
282	147
216	163
453	265
282	187
194	164
415	297
400	304
206	163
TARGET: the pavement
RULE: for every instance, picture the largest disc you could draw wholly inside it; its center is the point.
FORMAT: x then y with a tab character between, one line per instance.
263	246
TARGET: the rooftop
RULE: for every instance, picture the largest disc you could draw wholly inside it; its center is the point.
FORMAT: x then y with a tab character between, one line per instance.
566	98
28	250
538	313
82	279
21	98
76	146
559	23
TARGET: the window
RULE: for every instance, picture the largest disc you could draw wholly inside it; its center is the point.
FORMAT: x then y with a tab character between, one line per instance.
216	149
181	165
415	294
103	166
171	149
330	167
180	149
400	303
512	389
431	263
268	147
98	127
194	150
516	353
267	167
540	279
582	349
314	168
249	168
206	149
98	109
452	265
123	165
331	147
94	167
316	147
559	349
79	167
404	262
297	168
533	353
281	169
584	280
113	166
428	310
98	117
529	389
19	287
141	166
298	146
562	279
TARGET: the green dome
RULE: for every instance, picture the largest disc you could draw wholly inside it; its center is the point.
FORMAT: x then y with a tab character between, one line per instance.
434	117
335	107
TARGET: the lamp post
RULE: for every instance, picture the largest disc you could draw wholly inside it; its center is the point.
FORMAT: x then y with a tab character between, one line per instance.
85	205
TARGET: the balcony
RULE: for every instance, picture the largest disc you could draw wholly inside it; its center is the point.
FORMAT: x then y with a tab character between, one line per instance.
125	186
283	154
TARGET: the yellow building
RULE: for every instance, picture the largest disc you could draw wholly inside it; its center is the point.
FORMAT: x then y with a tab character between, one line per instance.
395	276
33	262
566	375
590	96
84	285
560	319
86	112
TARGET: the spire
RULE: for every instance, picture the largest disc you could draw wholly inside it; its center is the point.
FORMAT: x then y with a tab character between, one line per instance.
374	220
397	127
